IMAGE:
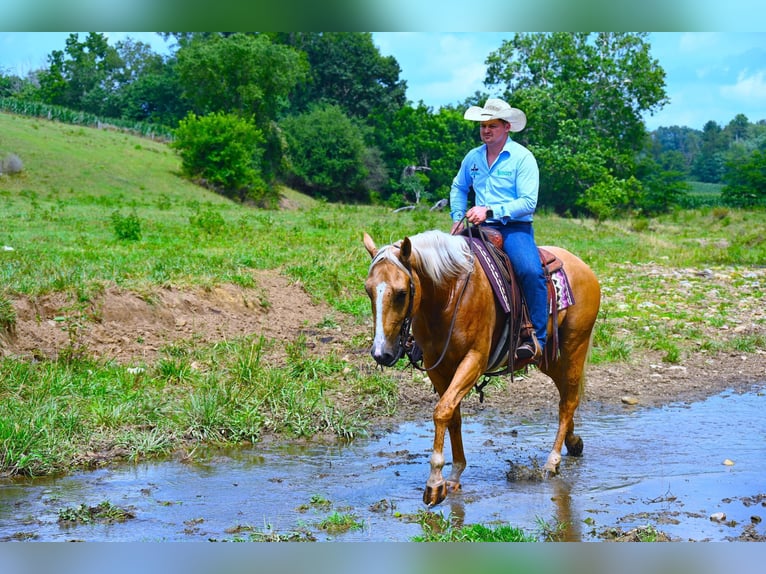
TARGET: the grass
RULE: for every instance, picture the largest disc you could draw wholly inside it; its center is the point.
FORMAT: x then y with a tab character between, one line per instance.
94	209
438	528
104	513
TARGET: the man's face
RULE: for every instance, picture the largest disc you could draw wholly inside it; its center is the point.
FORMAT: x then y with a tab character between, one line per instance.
494	131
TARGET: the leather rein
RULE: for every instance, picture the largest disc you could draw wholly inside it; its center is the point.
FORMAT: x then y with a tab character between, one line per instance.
407	341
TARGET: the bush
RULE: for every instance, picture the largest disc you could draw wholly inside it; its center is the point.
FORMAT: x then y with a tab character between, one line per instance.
327	154
610	197
126	228
223	152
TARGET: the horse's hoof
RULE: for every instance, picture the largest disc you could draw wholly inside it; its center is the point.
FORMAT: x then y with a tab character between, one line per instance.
433	495
551	466
453	486
574	446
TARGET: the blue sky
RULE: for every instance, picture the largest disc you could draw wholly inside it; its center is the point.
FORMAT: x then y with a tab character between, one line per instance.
709	75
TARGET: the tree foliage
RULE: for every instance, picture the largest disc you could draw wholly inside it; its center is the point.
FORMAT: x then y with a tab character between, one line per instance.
327	111
346	70
746	181
584	96
222	151
243	74
327	154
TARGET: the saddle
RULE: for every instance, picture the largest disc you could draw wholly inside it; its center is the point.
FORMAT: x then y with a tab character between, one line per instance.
487	245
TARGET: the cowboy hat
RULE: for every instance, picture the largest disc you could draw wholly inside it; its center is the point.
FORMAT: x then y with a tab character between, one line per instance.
495	109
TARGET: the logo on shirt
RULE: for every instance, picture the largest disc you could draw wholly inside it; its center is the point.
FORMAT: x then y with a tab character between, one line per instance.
504	172
474	170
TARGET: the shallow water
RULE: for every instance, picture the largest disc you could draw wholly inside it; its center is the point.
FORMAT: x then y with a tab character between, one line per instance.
662	467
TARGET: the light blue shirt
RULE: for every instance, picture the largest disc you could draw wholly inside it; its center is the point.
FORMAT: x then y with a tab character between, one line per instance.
508	187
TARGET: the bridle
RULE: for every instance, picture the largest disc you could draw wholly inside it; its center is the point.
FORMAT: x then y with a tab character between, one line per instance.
406	342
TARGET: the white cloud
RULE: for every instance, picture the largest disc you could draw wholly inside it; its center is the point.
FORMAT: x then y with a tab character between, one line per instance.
749	87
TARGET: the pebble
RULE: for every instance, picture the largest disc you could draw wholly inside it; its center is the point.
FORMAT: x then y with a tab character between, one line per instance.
629	400
718	517
728	462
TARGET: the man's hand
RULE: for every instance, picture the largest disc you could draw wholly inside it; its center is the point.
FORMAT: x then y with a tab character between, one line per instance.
477	214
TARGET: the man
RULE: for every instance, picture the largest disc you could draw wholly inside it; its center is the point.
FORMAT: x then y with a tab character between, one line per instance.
505	177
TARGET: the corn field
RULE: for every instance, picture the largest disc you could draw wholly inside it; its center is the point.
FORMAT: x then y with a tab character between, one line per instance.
67	116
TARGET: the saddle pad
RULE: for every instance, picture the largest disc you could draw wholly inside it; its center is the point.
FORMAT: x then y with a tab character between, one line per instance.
499	285
564	296
563	291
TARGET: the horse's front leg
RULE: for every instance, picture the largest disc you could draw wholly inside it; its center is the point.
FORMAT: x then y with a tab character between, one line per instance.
447	416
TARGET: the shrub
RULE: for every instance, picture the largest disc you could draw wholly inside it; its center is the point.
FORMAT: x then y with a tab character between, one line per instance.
126	228
610	197
327	154
223	152
209	221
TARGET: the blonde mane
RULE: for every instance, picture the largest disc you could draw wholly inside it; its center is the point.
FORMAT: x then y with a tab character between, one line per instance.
440	255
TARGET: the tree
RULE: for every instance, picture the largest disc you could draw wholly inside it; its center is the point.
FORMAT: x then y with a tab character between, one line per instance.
347	70
80	77
245	75
326	154
746	181
584	96
709	164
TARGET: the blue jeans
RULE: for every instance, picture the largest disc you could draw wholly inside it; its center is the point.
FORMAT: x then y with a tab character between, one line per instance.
519	244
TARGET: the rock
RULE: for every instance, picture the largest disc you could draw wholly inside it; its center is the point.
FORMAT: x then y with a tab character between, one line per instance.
728	462
629	400
718	517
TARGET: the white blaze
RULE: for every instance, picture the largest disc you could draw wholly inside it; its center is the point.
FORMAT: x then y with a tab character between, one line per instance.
379	340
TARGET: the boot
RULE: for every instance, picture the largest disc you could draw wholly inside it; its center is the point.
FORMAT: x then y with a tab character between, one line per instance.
529	350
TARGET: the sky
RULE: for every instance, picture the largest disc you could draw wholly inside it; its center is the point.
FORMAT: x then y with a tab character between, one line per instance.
709	75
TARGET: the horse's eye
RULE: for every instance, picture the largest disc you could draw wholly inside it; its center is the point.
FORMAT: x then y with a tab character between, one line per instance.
400	297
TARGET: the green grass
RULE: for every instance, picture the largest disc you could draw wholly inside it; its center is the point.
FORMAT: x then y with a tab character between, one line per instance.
95	209
438	528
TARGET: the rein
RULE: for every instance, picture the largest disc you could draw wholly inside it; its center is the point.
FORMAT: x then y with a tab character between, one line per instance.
410	346
407	341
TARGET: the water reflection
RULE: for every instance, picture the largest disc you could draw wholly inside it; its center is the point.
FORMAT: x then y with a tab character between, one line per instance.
662	467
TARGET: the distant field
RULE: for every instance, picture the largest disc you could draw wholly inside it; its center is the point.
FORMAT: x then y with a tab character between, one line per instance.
702	194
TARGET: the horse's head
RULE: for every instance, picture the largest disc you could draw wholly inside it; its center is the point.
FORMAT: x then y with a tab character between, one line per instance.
391	290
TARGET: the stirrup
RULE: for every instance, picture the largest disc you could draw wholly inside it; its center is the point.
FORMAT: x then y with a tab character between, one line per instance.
529	350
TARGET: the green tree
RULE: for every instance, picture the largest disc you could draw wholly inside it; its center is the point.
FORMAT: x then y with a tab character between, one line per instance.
245	75
326	154
430	143
584	95
81	76
745	179
709	164
346	69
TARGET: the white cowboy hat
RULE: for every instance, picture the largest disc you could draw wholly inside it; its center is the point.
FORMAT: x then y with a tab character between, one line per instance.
495	109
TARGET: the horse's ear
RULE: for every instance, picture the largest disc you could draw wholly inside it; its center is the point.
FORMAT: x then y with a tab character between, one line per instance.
370	245
405	250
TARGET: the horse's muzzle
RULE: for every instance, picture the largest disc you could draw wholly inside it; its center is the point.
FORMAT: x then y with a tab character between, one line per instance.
386	358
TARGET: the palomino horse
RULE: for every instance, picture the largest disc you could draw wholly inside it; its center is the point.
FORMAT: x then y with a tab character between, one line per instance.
433	280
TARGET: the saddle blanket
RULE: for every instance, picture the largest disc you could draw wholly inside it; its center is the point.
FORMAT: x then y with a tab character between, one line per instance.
562	289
